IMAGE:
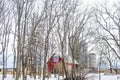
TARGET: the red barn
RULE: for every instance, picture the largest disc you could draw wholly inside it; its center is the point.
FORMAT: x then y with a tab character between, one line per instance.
55	64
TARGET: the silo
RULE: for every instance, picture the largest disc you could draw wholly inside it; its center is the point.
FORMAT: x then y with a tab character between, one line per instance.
74	44
83	53
92	61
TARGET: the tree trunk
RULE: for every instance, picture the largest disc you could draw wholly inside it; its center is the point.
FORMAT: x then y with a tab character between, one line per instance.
3	65
44	67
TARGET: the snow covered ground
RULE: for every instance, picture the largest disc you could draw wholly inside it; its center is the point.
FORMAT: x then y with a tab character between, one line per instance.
103	77
89	77
10	77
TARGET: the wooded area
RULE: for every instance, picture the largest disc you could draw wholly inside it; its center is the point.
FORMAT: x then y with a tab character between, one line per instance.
69	27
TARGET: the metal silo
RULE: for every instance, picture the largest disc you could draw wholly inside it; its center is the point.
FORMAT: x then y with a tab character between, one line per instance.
92	61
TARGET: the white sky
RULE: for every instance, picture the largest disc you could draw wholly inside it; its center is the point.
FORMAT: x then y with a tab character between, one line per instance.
94	2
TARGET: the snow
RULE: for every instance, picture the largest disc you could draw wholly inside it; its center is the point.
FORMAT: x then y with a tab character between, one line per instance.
103	77
10	77
90	76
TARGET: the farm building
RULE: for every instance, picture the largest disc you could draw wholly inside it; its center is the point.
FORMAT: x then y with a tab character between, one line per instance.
55	64
92	62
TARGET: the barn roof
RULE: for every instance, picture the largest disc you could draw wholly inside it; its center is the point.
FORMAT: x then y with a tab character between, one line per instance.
52	56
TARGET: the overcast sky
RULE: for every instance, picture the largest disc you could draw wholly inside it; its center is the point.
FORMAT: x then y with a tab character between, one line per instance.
86	2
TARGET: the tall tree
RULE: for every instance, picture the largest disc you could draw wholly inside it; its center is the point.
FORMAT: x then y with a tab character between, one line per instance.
22	11
108	20
5	28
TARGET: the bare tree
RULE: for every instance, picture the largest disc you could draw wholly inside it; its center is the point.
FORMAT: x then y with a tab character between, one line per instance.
22	12
5	32
49	23
63	25
109	21
78	35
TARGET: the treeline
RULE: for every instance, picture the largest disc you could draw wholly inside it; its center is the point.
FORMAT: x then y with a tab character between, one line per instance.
40	27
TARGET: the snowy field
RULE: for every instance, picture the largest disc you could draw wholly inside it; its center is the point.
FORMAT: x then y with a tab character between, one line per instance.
10	77
89	77
103	77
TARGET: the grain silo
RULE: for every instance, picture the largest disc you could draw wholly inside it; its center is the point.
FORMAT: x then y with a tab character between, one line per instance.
79	48
83	54
92	62
74	46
